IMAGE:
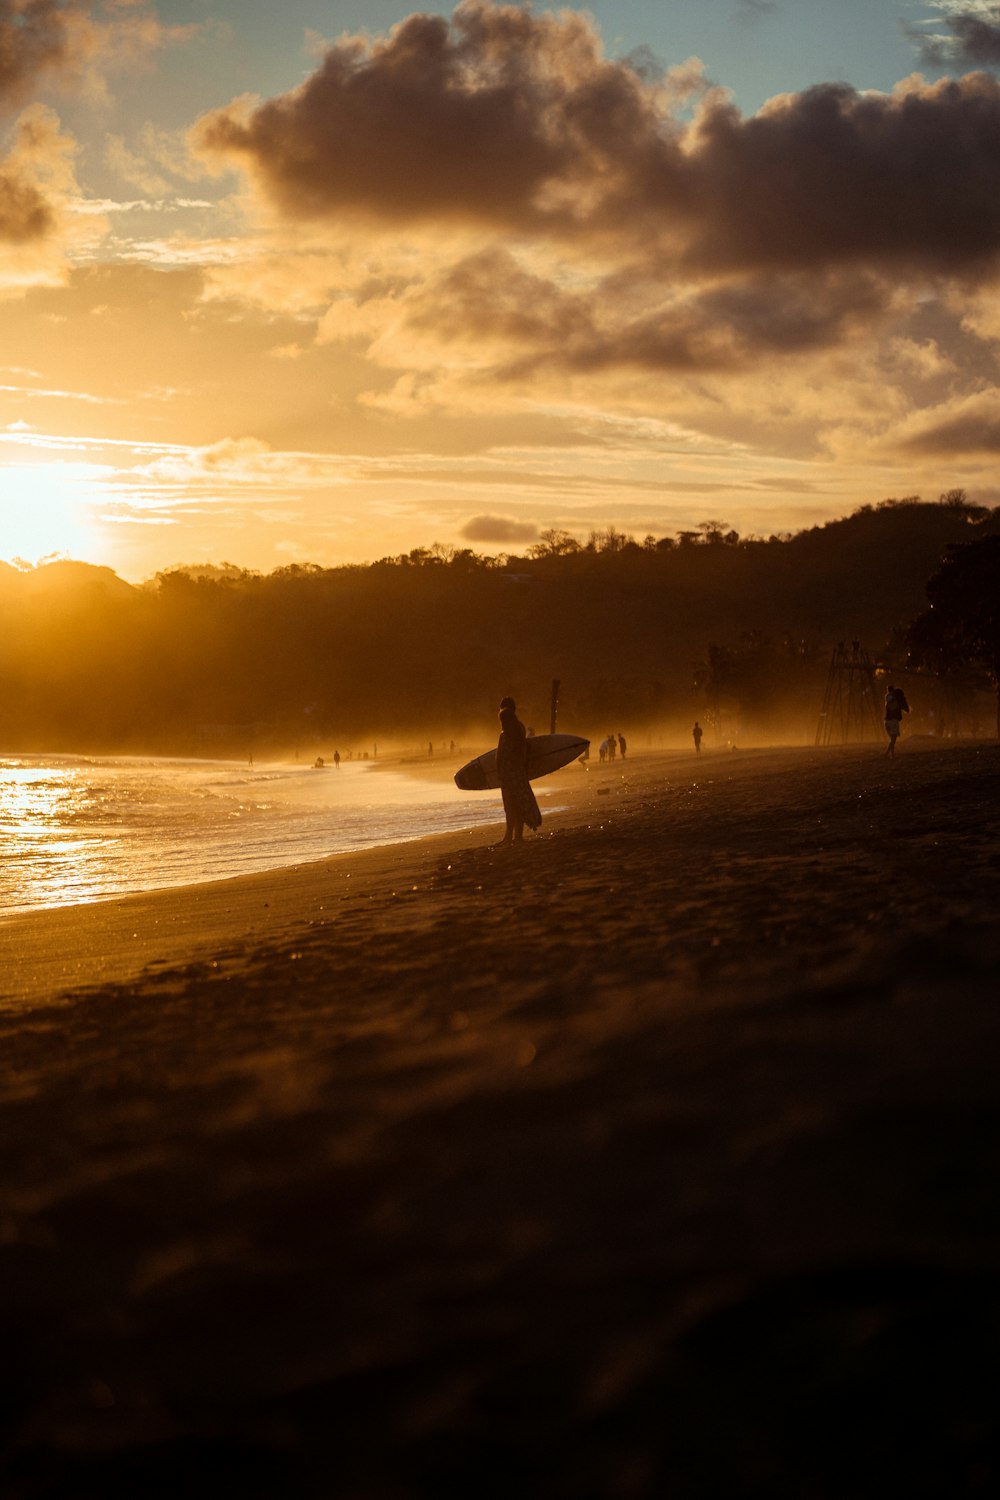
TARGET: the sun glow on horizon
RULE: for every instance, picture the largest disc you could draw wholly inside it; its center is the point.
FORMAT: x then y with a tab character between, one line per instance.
45	510
246	321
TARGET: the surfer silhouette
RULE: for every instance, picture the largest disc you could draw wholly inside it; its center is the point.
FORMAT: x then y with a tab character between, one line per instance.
895	707
519	803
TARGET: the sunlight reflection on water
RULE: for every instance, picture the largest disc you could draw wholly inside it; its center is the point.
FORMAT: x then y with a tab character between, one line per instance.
75	830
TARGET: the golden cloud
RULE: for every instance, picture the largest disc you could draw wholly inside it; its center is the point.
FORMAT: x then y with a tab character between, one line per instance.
545	229
38	191
498	529
76	44
512	119
965	425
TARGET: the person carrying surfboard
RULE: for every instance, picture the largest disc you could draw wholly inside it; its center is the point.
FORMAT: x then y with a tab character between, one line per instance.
519	803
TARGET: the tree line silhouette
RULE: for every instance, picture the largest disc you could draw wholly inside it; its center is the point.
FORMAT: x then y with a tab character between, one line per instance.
642	634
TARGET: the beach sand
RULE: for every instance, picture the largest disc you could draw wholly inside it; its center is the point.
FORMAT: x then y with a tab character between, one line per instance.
656	1157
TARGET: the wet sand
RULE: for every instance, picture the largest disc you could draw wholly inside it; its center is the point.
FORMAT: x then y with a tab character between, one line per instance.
656	1157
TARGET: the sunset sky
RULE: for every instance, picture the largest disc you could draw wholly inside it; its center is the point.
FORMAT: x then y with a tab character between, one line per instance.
322	282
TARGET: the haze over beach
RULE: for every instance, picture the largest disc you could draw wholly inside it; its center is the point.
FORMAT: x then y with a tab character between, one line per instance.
363	371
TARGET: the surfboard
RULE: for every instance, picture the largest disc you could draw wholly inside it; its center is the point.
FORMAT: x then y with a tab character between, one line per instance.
546	753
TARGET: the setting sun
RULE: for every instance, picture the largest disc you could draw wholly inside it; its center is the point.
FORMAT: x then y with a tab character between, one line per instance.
478	310
44	511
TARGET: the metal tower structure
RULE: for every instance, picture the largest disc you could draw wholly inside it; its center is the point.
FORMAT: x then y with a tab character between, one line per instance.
850	703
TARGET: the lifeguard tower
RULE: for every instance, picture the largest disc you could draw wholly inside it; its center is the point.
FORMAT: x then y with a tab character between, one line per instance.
850	702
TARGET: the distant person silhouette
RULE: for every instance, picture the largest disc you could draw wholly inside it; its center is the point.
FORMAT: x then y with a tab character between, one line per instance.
696	736
519	803
612	746
336	760
603	747
622	745
895	707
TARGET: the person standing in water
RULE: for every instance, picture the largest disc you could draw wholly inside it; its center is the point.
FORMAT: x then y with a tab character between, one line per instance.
519	803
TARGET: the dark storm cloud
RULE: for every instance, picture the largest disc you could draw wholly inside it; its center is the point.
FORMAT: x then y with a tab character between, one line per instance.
515	121
498	529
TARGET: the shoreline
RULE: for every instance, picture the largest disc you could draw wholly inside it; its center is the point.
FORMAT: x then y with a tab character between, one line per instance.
51	951
651	1157
57	951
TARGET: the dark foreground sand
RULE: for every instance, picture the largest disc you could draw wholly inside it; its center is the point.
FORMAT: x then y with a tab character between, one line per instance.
656	1158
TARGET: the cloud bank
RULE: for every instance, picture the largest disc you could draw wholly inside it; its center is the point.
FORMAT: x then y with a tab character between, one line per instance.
591	216
516	121
72	46
479	240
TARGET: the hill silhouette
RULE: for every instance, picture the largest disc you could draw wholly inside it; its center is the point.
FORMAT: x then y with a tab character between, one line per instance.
422	646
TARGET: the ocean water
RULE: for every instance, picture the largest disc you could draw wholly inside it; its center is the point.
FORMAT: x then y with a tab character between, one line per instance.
76	829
